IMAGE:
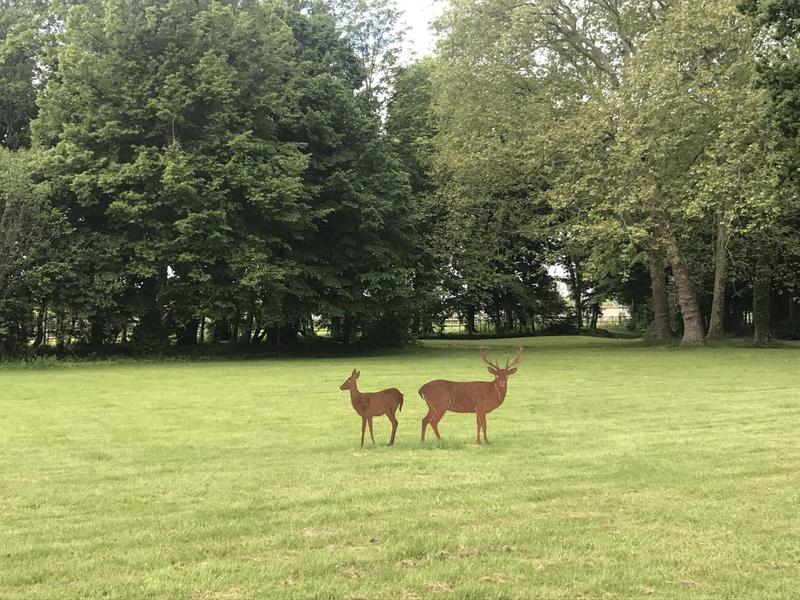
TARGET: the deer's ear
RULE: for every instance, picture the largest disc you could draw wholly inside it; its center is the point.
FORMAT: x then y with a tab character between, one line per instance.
491	370
512	370
358	374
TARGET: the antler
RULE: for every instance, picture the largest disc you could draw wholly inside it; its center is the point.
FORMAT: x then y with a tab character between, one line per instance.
517	359
485	358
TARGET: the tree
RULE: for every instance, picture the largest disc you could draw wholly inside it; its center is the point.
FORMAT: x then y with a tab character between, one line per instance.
23	26
775	225
541	78
33	252
359	259
412	127
161	127
372	28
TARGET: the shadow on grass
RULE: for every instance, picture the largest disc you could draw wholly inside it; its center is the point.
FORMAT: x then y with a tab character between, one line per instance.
429	445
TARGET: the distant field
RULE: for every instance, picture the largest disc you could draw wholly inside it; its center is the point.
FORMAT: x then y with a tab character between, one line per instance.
615	471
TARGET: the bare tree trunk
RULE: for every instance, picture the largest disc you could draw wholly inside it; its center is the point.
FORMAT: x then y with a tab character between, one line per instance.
41	320
509	312
96	331
347	329
186	332
761	297
576	285
309	329
595	315
470	320
687	295
662	331
235	327
257	339
716	327
246	329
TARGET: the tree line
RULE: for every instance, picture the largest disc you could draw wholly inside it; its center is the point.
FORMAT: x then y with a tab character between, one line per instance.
179	171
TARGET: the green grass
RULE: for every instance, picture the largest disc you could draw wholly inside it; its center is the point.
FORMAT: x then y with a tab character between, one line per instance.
615	471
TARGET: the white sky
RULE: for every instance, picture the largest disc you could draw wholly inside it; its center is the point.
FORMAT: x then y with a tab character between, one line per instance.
417	15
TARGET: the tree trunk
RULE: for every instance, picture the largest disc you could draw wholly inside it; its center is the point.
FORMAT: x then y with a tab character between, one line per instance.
186	333
662	331
495	314
235	326
309	327
687	295
246	331
508	308
716	327
273	336
61	332
470	320
761	297
595	315
347	329
41	318
576	283
97	331
150	329
259	336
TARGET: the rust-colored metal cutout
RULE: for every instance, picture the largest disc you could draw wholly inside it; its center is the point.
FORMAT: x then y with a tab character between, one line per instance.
479	397
373	404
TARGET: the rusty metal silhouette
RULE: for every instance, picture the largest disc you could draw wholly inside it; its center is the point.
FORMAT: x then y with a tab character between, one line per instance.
479	397
373	404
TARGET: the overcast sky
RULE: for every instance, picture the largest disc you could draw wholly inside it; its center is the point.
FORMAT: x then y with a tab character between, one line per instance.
418	14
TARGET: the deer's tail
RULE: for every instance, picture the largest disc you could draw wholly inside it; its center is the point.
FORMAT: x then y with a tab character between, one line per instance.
400	406
422	395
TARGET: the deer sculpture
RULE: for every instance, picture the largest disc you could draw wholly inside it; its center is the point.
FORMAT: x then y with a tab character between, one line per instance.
373	404
479	397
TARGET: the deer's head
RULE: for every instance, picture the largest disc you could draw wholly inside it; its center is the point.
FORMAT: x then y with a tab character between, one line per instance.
501	375
350	382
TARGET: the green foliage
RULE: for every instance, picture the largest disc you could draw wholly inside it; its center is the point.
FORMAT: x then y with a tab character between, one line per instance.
33	250
23	29
218	161
372	29
247	169
162	134
498	240
632	129
774	226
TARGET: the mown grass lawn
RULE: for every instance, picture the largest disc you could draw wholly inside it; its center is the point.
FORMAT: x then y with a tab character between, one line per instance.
615	471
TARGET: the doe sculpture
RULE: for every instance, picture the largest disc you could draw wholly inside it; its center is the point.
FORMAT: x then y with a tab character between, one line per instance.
373	404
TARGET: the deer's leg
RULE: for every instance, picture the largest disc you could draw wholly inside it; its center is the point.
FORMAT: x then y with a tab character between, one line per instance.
480	424
393	420
425	421
370	430
363	429
435	424
483	422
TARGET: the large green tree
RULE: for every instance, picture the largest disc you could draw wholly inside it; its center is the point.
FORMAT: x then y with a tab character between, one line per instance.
24	31
34	264
775	221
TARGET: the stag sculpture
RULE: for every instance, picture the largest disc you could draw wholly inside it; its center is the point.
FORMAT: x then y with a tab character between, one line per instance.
373	404
479	397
